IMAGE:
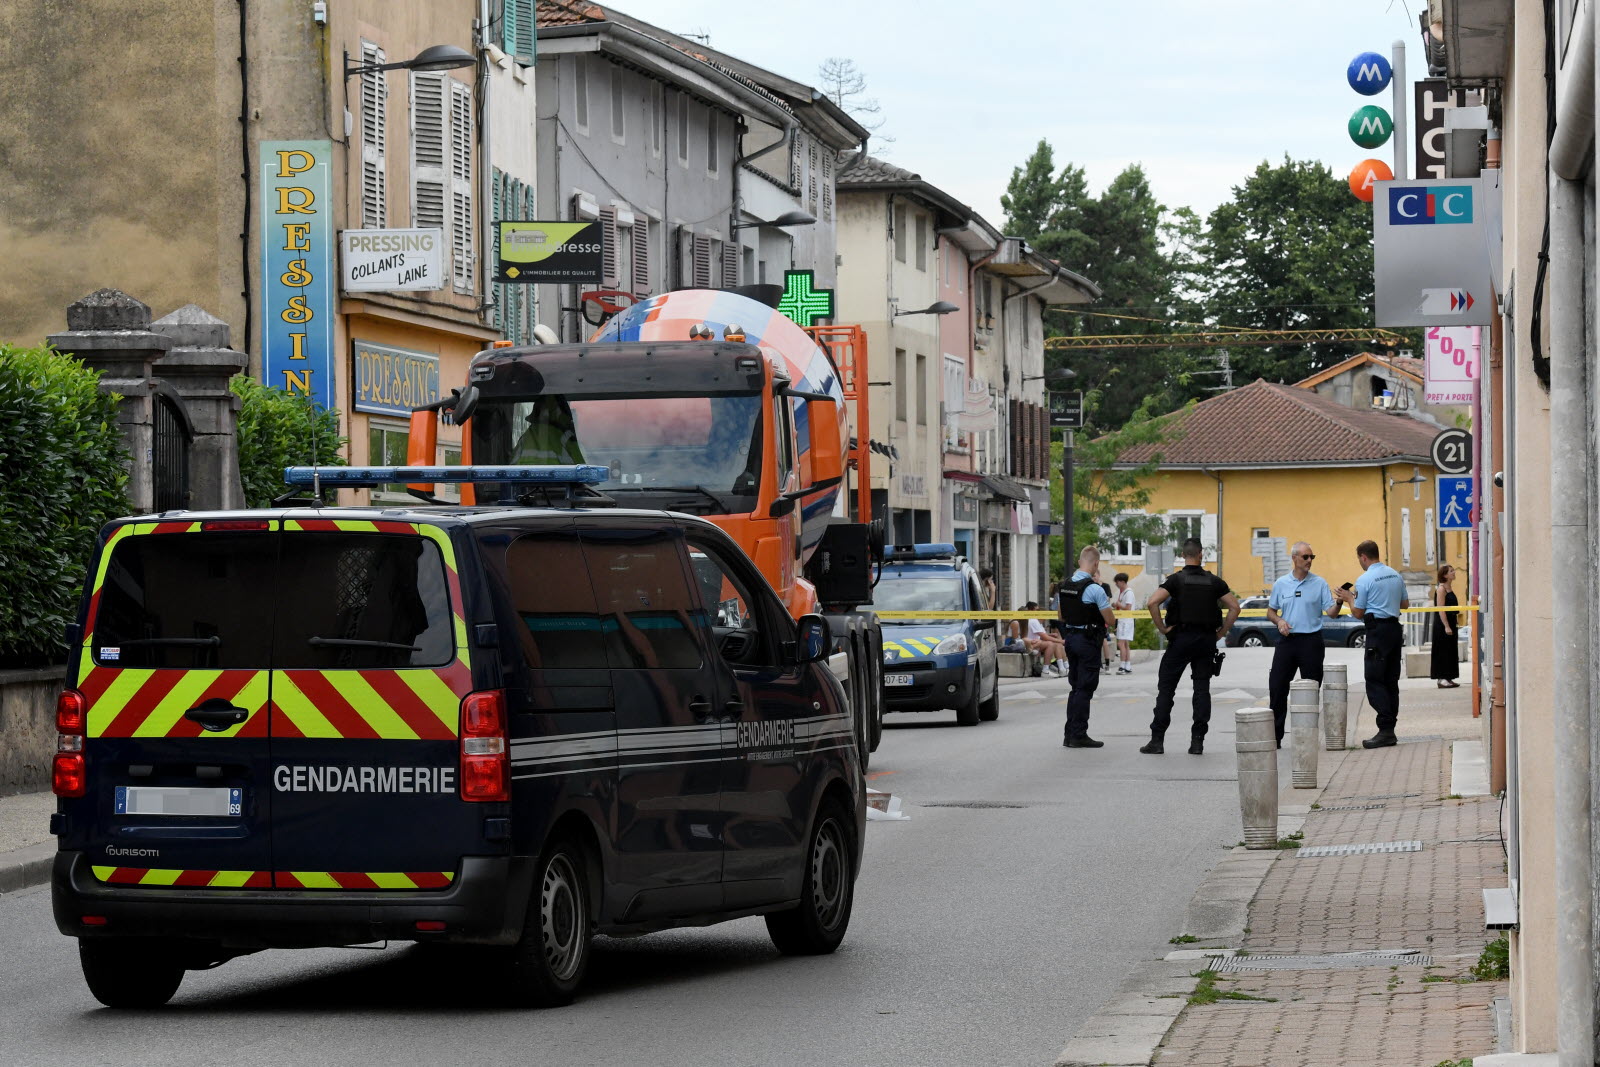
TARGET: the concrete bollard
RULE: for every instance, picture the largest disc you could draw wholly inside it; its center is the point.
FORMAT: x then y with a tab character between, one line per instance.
1304	711
1335	705
1257	749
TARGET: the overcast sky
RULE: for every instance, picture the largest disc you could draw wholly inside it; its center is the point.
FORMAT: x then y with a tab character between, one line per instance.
1197	92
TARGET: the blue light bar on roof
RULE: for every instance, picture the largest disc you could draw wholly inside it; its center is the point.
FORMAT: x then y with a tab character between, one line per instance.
923	551
373	477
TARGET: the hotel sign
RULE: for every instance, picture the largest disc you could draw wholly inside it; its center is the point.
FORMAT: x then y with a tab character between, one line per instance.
391	380
297	268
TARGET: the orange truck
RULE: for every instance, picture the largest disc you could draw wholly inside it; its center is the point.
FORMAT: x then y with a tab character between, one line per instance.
715	404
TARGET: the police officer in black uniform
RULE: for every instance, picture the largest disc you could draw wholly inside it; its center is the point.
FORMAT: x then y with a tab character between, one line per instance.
1085	617
1193	627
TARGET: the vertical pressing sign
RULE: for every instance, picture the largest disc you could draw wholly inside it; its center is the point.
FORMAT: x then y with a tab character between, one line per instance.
297	268
1452	364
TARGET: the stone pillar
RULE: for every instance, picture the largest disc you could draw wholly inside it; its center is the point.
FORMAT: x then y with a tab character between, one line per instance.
1335	707
198	366
1257	749
1304	712
110	332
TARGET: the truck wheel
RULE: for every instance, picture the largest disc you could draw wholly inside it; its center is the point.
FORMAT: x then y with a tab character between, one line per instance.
875	683
860	696
827	892
989	710
132	972
548	962
969	713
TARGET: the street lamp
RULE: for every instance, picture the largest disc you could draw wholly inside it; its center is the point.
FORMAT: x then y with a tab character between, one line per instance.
1057	380
788	218
938	307
433	58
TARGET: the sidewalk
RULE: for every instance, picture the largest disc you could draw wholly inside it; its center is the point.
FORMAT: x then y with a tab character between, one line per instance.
1405	1012
26	847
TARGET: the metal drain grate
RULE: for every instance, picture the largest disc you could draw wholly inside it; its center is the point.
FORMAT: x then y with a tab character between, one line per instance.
1341	961
1316	851
1350	807
970	804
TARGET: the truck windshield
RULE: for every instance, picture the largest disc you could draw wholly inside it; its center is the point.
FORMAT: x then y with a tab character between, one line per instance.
706	447
918	594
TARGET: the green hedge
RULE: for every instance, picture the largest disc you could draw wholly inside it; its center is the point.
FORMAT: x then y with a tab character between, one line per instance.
279	429
63	469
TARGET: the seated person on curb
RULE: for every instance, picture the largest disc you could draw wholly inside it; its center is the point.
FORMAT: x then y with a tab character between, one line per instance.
1050	648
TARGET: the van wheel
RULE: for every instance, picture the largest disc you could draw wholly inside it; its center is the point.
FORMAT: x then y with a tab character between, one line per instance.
1252	640
817	926
969	713
129	972
989	710
549	960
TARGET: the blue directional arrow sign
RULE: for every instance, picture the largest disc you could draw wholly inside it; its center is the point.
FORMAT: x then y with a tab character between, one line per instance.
1455	502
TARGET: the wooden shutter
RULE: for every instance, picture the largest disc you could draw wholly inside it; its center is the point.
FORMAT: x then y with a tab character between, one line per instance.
463	242
1042	415
700	262
428	176
517	30
641	257
610	234
730	265
374	141
811	183
827	185
1013	434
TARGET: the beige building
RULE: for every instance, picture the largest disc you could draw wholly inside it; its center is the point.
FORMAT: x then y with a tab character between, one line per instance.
225	174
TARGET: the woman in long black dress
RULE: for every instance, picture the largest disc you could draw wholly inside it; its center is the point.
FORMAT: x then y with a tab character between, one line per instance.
1446	664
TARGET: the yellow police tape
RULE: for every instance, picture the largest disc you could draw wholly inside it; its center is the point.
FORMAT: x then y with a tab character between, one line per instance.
1142	613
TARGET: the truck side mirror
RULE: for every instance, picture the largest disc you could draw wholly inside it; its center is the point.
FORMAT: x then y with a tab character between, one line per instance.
813	640
827	452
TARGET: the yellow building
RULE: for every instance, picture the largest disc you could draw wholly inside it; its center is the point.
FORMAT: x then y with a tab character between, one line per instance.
1269	461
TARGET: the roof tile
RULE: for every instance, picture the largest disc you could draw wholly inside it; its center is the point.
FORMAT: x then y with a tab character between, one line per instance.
1268	424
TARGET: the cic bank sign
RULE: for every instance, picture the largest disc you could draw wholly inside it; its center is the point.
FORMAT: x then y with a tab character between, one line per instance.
1438	205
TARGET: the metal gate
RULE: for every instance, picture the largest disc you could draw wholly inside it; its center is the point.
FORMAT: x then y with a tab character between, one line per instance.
169	456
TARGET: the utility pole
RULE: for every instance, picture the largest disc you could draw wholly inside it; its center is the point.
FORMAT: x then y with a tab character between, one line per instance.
1069	557
1397	63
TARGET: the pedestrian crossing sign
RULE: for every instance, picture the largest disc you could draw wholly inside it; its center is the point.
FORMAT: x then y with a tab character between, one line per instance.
1455	502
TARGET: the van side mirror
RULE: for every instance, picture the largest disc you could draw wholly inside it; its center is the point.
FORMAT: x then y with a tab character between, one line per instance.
813	639
827	450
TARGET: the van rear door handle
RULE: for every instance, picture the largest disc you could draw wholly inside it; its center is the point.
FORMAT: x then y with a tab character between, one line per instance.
700	708
216	715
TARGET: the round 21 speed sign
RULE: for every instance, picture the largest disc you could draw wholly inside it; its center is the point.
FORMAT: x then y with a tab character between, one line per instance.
1452	452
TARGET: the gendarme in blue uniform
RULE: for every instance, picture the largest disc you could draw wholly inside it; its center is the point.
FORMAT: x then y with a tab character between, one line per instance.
1379	591
1301	602
1093	596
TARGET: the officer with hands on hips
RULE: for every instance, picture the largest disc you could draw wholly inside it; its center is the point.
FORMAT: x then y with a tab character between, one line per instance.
1377	600
1085	618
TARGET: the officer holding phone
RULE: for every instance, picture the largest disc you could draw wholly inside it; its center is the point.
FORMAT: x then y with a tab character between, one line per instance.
1379	595
1299	602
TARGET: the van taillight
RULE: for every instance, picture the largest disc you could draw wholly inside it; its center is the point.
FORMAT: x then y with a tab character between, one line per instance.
214	525
69	771
72	712
485	769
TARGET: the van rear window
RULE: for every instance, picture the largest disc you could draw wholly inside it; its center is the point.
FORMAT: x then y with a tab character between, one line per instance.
322	601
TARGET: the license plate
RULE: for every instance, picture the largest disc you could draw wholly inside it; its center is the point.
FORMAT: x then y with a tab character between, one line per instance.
899	679
179	800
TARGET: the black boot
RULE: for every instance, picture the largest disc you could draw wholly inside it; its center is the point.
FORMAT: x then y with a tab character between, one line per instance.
1382	739
1197	745
1154	748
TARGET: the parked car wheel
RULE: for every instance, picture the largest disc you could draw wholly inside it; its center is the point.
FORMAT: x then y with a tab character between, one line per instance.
989	710
817	926
970	712
1358	639
1252	640
129	972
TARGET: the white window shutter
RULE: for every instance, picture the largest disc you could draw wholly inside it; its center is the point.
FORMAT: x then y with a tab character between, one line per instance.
1430	537
1405	537
730	265
429	179
641	257
610	234
1208	537
374	140
701	270
463	243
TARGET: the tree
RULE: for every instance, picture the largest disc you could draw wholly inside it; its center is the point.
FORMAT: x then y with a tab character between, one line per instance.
279	429
846	84
1291	250
1108	503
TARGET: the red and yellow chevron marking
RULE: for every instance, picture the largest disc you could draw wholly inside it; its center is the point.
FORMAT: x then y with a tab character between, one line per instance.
363	879
184	879
140	702
195	879
408	704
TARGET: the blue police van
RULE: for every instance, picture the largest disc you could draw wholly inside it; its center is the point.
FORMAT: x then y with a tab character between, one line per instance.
511	727
934	663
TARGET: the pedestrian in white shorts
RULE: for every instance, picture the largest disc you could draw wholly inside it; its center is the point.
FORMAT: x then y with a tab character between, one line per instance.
1123	601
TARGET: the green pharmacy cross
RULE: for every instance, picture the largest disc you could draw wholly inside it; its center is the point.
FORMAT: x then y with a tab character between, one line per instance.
802	300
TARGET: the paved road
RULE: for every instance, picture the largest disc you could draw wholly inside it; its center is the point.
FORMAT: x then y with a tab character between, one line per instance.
983	935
